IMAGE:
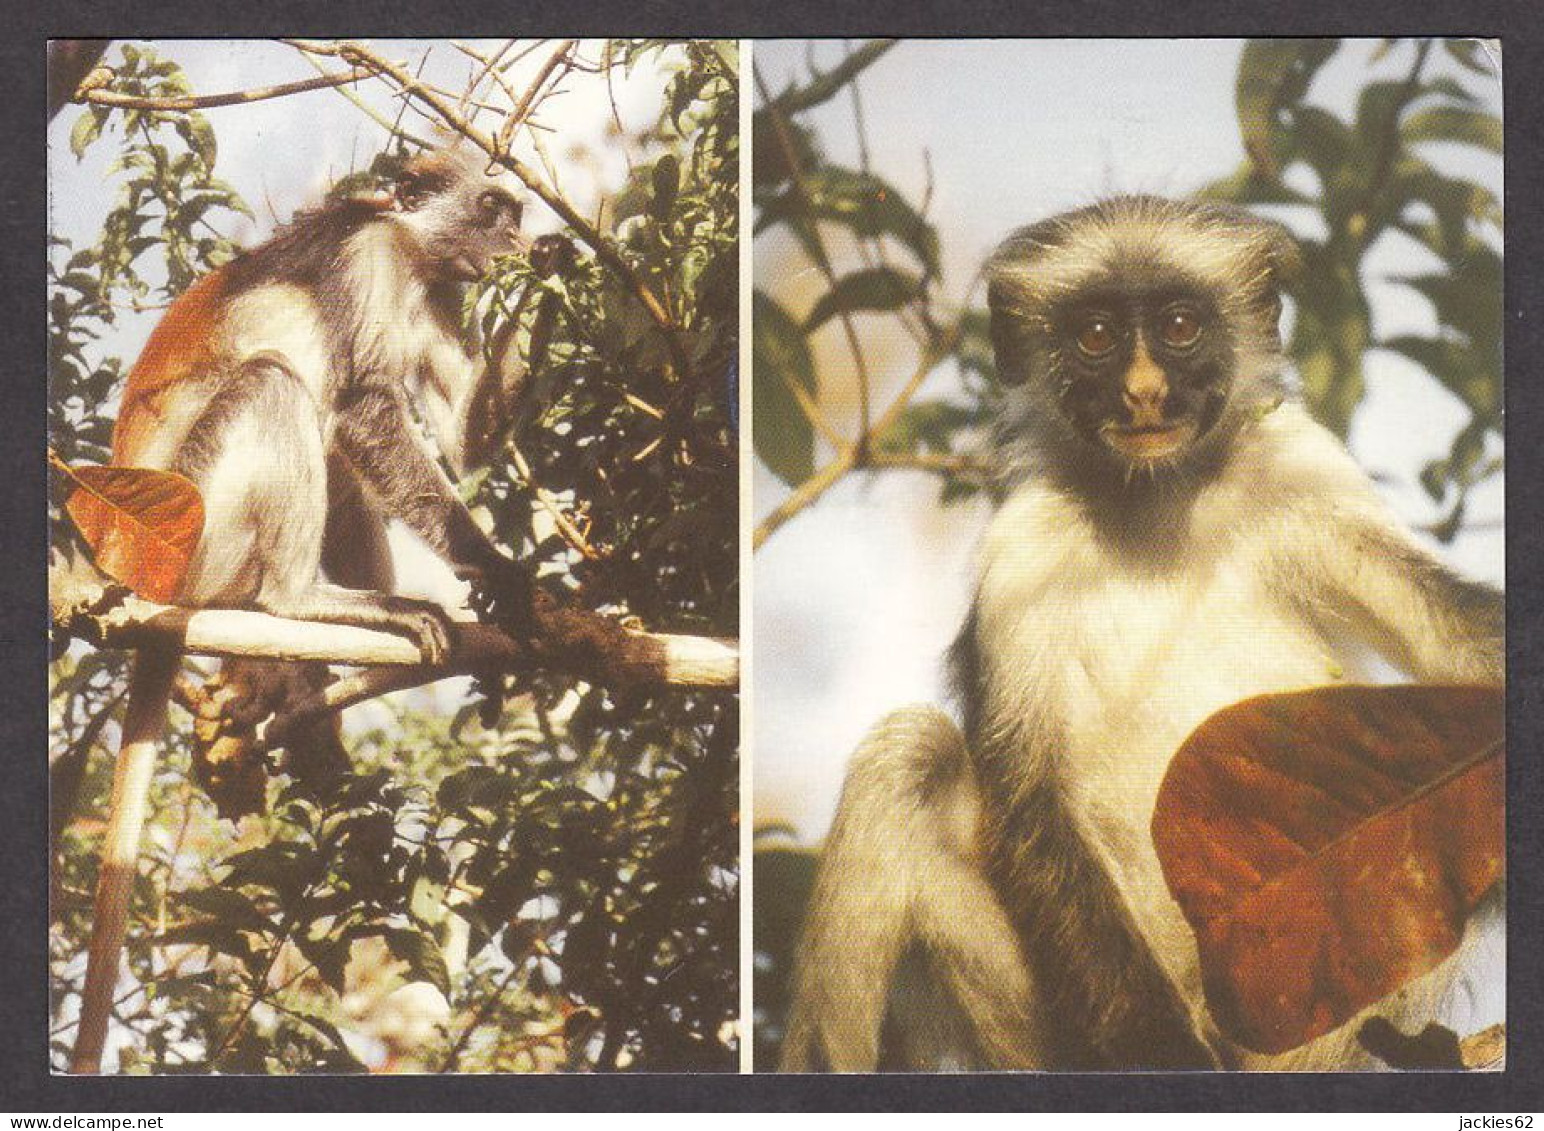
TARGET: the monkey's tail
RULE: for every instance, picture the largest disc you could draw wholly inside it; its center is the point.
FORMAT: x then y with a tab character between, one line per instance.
898	874
150	687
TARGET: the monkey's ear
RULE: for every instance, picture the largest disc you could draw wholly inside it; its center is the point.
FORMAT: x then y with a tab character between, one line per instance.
1281	252
419	180
1283	263
410	189
1010	348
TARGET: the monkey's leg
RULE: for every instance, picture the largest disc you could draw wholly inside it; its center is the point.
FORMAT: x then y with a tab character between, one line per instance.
896	874
1108	1002
150	686
257	454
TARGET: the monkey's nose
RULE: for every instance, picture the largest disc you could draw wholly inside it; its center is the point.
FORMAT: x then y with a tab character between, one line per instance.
1145	389
1147	398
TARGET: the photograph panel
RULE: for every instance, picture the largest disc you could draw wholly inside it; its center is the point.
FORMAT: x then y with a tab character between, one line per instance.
1129	555
393	445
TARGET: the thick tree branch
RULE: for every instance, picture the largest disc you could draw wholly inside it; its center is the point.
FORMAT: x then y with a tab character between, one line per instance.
568	639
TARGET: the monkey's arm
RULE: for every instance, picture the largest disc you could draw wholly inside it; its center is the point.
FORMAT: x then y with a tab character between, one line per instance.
1423	616
471	406
495	403
1338	552
1395	595
374	433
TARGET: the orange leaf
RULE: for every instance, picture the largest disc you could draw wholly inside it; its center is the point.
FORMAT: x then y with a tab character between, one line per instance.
142	525
1327	847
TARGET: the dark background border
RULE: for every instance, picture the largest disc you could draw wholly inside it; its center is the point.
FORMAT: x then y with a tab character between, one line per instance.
25	1082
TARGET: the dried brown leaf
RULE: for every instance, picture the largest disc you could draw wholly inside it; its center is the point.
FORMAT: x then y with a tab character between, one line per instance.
1327	847
142	525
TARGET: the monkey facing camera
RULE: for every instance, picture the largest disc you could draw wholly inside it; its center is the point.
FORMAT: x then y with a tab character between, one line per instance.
1175	535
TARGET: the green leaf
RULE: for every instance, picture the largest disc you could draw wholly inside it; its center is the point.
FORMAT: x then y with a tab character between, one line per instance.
783	437
865	204
928	425
873	288
1325	142
229	906
222	938
666	183
425	961
1248	186
1474	376
1471	53
1455	202
828	84
341	1059
87	128
328	954
1274	74
202	139
1469	302
1448	123
769	157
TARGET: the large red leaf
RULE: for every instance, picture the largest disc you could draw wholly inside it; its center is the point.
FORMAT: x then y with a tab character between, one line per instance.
1327	846
142	525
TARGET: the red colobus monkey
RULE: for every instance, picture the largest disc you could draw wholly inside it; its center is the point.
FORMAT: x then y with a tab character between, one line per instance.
1177	536
280	385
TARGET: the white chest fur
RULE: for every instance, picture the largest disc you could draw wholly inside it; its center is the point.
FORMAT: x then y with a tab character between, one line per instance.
1118	656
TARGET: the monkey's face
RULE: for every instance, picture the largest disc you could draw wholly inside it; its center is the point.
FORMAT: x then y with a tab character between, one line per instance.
1140	372
1142	332
459	218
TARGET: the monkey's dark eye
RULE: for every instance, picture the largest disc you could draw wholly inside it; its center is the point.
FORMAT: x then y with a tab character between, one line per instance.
1096	337
1180	328
493	206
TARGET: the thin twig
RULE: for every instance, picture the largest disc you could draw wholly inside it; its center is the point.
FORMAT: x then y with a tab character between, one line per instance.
571	533
453	1056
527	101
848	457
101	96
393	129
490	66
948	464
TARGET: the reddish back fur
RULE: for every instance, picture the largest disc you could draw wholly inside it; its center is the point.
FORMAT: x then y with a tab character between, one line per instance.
180	345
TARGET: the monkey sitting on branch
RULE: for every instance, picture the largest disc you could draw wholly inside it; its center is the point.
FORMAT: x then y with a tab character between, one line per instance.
1177	535
280	385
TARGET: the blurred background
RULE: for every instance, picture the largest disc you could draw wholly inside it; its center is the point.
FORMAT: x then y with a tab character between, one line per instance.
885	173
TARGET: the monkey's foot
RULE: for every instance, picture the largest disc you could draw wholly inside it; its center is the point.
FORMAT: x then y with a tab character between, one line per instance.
423	622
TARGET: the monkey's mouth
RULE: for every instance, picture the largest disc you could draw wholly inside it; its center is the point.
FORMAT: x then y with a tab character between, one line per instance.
1149	442
467	269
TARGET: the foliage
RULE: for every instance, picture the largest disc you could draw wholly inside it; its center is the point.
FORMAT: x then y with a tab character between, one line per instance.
169	203
548	879
1372	179
892	276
